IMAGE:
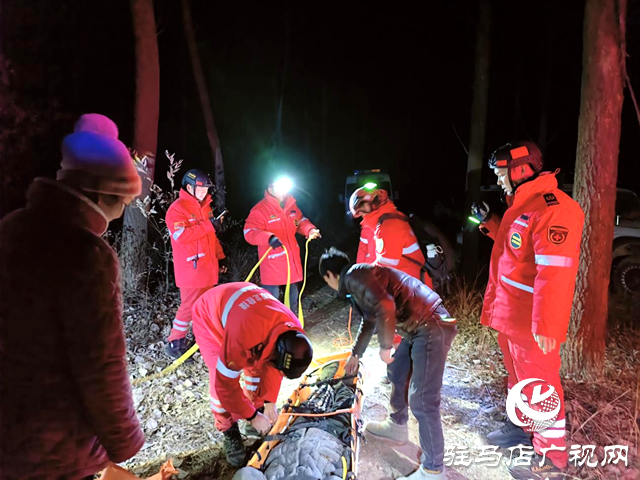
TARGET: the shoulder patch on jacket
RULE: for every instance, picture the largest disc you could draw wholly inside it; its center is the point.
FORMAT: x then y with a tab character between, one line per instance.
551	199
178	225
557	234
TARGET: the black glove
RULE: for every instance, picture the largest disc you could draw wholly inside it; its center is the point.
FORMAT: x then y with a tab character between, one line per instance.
274	242
480	211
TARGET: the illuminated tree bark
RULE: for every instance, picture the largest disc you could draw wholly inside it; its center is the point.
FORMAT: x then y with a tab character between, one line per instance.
477	135
595	184
145	138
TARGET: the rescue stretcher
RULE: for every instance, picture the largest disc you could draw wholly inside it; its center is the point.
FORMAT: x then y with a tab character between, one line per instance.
311	405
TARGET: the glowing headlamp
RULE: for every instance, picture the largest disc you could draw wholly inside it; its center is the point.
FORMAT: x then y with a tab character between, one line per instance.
282	185
475	220
370	185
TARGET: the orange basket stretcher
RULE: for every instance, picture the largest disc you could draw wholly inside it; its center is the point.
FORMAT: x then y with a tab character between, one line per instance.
287	417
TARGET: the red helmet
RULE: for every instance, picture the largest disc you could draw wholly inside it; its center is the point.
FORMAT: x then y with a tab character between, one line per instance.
362	195
515	154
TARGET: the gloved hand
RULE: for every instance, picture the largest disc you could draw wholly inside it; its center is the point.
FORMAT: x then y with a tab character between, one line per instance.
261	423
271	412
314	233
274	242
480	211
223	265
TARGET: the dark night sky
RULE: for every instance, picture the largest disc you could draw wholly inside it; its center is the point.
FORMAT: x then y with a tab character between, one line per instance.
374	84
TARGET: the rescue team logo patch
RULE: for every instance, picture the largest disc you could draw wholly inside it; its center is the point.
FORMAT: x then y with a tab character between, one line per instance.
272	217
551	199
557	234
379	245
516	240
178	225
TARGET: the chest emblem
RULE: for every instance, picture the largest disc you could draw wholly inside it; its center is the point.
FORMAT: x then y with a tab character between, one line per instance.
557	234
551	199
516	240
379	245
272	217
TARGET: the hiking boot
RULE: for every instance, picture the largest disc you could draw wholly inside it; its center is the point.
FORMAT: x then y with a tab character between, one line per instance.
178	347
388	430
509	435
535	471
423	473
233	446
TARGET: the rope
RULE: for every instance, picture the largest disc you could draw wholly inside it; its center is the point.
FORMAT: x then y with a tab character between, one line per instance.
342	342
304	282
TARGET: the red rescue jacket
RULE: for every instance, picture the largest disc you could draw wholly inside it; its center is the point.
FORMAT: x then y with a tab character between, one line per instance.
534	262
245	320
367	246
269	218
396	244
196	249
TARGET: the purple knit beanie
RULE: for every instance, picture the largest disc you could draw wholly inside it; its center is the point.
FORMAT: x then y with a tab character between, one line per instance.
96	161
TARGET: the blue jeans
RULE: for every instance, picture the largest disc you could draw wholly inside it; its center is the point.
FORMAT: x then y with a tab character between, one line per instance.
293	294
424	351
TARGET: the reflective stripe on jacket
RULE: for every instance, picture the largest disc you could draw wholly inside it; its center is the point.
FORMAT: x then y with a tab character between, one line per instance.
196	249
534	262
366	246
268	218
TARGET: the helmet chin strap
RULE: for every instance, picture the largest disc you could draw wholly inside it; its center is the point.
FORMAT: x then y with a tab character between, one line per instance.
515	186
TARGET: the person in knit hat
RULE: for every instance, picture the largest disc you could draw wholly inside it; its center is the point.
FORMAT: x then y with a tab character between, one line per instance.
67	409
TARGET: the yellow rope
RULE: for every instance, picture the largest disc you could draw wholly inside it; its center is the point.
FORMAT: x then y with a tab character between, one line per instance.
344	468
170	368
304	282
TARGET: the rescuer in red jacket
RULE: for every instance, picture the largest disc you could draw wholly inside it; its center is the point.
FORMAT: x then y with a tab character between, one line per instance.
274	222
197	254
396	245
532	276
242	328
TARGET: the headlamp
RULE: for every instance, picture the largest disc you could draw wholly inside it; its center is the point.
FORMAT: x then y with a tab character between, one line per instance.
370	185
282	185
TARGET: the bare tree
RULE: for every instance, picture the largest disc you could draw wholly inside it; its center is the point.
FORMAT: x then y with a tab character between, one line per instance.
205	103
478	127
145	138
596	177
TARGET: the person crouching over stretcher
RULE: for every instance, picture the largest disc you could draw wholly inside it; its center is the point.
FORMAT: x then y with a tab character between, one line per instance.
242	328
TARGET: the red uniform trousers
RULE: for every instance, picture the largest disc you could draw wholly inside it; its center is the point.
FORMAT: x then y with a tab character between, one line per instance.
210	351
182	322
524	359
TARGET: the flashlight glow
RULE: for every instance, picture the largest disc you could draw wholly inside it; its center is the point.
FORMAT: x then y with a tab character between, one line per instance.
282	185
370	185
474	220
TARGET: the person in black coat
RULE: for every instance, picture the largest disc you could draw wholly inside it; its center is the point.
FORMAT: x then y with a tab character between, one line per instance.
391	300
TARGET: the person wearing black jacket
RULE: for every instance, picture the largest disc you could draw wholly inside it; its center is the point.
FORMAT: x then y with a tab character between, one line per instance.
391	300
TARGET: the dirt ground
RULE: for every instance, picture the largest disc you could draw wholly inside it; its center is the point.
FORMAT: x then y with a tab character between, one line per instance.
178	424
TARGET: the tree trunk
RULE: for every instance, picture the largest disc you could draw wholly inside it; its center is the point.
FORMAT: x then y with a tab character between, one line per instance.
477	136
205	103
595	183
145	138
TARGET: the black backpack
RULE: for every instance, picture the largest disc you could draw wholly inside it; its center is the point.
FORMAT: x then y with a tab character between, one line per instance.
437	251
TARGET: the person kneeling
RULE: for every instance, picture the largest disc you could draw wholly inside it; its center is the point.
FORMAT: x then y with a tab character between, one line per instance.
390	299
242	328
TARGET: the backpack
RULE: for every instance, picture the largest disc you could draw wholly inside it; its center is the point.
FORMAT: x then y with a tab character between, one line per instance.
433	245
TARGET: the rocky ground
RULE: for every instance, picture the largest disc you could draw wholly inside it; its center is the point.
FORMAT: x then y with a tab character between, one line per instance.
178	424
